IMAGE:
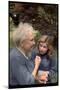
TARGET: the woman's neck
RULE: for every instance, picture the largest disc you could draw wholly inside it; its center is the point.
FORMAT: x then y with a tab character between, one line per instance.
22	51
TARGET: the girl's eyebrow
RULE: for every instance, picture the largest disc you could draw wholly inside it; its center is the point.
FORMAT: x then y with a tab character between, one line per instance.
43	45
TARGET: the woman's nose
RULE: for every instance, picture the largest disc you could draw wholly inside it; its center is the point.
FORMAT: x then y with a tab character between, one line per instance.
34	42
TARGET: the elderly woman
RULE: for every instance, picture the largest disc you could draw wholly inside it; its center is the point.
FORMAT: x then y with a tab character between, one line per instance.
22	70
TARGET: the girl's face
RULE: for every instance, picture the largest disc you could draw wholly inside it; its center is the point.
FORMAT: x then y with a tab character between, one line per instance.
43	48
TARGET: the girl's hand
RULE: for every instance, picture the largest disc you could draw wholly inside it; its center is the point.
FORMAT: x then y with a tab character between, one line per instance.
37	62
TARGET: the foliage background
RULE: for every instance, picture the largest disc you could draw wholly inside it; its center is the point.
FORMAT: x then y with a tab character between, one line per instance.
43	17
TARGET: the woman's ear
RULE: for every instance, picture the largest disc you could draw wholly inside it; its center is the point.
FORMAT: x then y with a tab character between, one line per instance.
21	44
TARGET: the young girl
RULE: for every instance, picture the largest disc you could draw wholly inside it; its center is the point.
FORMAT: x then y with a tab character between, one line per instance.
47	68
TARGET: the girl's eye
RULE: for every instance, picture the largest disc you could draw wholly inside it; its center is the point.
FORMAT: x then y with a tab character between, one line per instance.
40	45
43	46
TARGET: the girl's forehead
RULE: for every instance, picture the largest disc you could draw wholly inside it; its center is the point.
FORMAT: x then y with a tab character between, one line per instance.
43	43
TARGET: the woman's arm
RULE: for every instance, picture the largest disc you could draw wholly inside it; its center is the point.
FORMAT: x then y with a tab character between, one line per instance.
21	73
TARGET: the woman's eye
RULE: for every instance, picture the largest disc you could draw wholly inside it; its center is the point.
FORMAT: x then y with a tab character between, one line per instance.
32	39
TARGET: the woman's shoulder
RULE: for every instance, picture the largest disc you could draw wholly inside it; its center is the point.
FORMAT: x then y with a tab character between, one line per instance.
16	56
13	51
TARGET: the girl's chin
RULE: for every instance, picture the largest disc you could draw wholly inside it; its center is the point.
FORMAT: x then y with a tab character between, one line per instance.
42	53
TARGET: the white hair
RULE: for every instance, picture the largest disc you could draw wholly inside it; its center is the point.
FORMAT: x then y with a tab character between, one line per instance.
21	33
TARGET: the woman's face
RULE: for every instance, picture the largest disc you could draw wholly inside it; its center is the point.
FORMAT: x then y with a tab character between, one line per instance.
29	42
43	48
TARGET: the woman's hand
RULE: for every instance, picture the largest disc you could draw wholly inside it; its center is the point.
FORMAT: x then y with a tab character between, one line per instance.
43	78
45	73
